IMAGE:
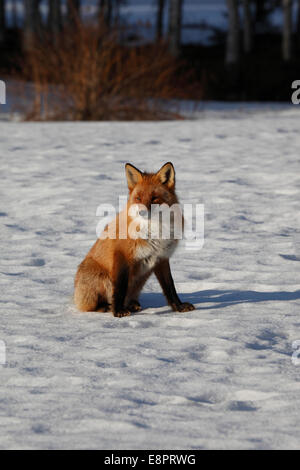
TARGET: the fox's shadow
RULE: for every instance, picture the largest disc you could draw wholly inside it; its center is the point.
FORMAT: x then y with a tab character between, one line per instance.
219	298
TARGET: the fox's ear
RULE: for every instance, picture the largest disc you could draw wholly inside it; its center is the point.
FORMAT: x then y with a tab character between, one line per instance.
167	175
133	175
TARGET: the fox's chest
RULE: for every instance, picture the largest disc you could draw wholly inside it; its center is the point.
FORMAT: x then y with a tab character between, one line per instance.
150	253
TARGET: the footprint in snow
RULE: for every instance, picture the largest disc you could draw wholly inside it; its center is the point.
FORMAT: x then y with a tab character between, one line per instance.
36	262
242	406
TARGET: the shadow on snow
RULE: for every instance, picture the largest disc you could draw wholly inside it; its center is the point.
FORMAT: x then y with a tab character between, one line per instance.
220	298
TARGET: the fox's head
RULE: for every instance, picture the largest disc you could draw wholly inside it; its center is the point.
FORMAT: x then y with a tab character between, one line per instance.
146	189
152	203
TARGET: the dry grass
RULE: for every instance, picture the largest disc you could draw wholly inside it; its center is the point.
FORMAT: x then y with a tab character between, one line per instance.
86	74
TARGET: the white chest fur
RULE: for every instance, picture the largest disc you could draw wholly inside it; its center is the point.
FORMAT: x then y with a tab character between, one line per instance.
153	250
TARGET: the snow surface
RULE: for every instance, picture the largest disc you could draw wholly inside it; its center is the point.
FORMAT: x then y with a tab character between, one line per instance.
218	377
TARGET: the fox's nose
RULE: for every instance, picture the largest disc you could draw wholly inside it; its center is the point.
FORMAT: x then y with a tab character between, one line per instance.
143	213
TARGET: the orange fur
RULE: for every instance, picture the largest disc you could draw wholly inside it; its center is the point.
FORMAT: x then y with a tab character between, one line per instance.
114	271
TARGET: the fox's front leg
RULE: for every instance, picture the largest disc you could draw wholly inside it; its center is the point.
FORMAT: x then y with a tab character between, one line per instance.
164	276
120	279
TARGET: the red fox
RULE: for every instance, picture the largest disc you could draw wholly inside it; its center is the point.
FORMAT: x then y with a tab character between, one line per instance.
114	271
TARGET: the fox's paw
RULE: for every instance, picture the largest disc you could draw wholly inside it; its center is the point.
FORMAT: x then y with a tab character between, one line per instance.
185	307
134	306
122	313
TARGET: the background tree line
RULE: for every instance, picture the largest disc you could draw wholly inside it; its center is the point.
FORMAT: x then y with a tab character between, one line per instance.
232	68
253	13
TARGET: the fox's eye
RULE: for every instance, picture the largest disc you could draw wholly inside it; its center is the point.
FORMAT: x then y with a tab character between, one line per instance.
137	198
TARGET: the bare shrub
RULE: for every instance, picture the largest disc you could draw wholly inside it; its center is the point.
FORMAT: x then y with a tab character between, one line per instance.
86	74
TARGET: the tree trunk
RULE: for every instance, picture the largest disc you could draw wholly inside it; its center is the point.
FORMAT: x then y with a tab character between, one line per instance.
54	17
37	18
2	21
232	44
260	12
73	11
298	25
287	30
160	18
117	12
247	26
32	23
175	20
29	25
14	14
105	12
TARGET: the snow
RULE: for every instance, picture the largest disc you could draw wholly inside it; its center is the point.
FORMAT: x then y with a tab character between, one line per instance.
221	376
